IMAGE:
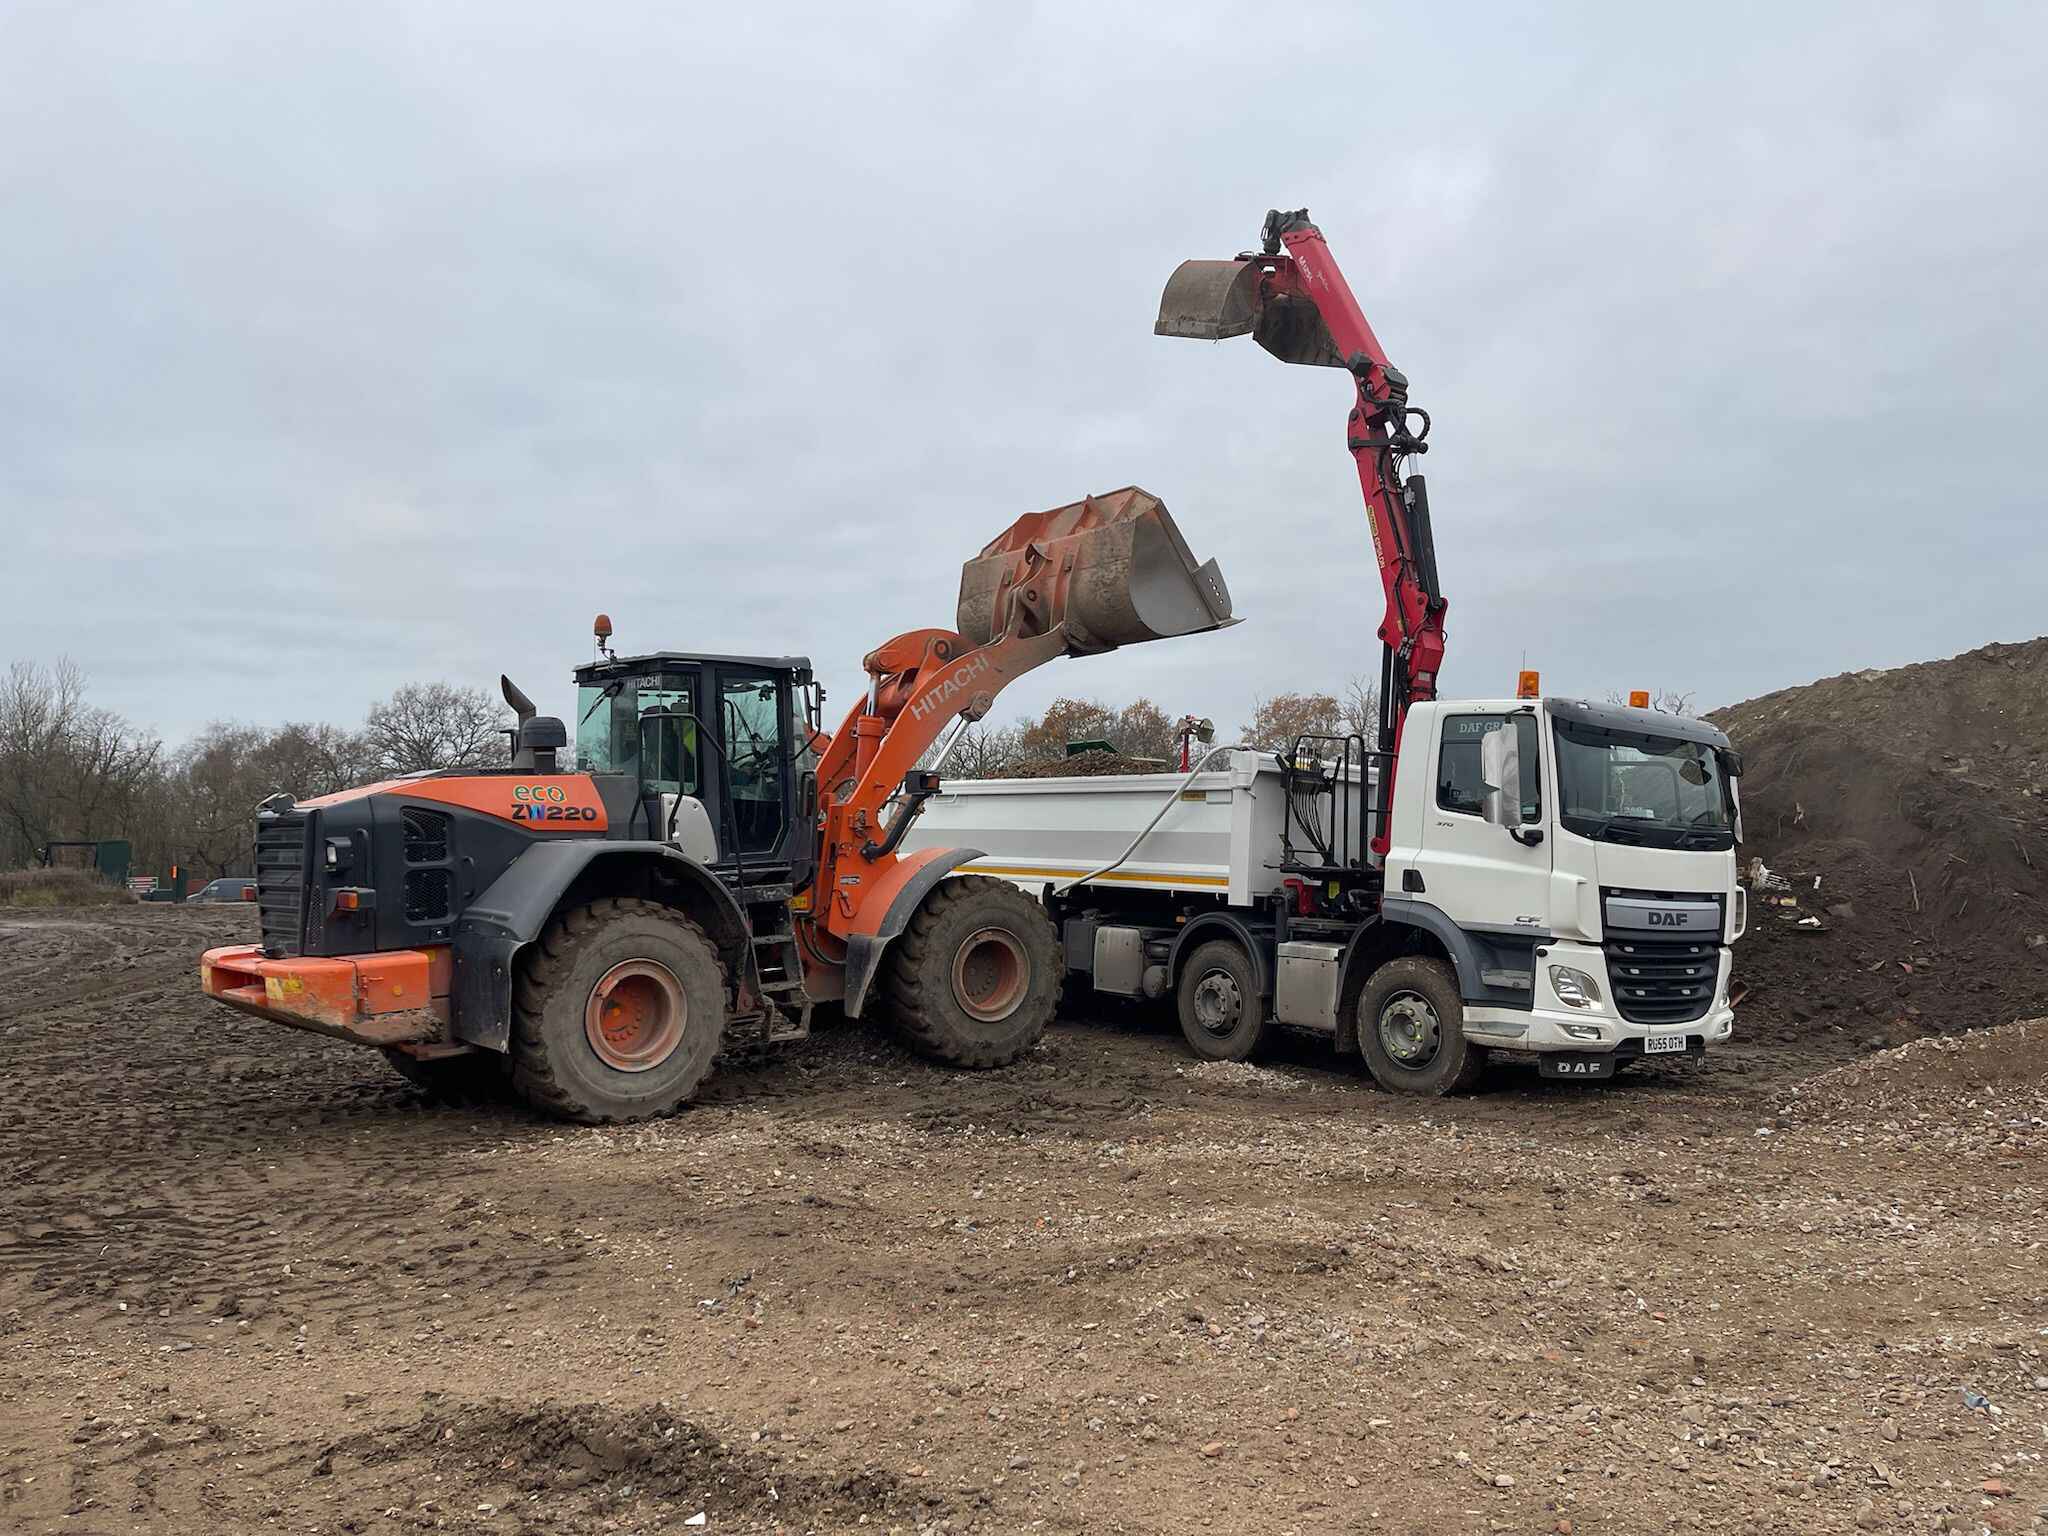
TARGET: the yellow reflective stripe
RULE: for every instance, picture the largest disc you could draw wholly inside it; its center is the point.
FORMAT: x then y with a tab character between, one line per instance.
1035	871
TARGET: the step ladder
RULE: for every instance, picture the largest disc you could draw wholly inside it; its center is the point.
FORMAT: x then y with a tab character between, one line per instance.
787	1015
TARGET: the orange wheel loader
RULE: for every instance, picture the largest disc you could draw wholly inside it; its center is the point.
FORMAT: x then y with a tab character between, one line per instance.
707	865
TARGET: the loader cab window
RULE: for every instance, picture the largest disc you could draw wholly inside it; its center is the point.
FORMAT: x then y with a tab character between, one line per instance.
750	714
1458	784
641	725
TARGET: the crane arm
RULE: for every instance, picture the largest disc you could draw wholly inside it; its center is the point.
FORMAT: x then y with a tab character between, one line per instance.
1292	297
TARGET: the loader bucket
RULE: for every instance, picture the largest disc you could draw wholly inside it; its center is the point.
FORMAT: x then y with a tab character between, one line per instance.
1113	569
1212	300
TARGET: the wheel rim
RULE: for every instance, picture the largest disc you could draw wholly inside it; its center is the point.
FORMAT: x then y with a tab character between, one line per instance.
1409	1031
1218	1005
635	1015
990	974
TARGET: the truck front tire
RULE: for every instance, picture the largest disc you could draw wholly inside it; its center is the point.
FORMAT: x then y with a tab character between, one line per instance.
975	978
617	1013
1411	1029
1222	1013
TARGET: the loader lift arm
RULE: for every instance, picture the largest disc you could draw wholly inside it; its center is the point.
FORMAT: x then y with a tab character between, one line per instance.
1292	297
1104	572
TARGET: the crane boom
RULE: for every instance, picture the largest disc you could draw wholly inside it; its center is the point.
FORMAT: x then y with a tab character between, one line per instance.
1291	296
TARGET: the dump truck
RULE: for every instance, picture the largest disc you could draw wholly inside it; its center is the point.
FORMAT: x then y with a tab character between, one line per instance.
1542	877
709	865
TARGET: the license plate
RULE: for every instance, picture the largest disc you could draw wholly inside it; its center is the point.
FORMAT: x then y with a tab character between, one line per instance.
1574	1064
1657	1045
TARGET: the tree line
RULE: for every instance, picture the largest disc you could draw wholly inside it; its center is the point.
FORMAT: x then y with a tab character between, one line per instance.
71	770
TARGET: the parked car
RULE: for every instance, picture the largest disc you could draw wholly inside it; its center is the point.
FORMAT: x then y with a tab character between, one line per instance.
227	888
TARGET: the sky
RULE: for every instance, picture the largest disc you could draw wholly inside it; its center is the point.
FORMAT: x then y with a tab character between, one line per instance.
346	346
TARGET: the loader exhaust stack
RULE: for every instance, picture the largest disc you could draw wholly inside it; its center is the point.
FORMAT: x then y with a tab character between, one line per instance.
1113	569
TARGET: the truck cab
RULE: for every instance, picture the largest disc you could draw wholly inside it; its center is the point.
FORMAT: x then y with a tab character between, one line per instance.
1577	863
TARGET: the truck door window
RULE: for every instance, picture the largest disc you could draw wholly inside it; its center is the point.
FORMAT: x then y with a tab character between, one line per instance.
750	708
1458	786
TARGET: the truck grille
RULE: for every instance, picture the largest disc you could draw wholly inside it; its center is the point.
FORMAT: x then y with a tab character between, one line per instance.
281	841
1668	981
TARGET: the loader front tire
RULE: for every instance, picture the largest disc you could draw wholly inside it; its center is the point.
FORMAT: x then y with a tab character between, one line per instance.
617	1013
975	978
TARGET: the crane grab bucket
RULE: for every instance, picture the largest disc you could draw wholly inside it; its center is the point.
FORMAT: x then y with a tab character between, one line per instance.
1113	569
1213	300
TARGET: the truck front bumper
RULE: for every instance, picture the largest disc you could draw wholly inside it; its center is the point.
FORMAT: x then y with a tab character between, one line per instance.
396	997
1552	1026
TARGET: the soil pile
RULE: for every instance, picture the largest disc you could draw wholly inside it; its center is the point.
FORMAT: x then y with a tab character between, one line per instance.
1086	765
1990	1082
1906	812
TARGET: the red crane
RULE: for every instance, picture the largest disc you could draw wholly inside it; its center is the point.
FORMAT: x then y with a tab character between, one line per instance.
1291	297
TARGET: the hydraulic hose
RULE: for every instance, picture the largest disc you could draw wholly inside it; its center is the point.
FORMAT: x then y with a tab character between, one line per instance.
1178	789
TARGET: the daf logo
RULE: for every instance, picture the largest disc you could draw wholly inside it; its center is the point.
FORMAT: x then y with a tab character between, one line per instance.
1670	919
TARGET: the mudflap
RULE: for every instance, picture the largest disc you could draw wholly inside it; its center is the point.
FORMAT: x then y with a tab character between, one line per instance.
864	951
1577	1066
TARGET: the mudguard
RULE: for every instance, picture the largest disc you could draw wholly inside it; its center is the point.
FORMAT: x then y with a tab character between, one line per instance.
1475	956
510	915
1224	925
913	878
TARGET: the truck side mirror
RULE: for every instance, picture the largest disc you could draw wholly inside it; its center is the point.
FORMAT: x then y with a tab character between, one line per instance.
1500	782
1500	776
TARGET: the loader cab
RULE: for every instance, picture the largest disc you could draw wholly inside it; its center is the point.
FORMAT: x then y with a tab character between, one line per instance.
727	731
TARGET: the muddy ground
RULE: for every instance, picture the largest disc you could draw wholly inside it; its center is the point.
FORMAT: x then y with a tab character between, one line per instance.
249	1281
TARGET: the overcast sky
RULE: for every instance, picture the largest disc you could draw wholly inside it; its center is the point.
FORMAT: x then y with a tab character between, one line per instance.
345	345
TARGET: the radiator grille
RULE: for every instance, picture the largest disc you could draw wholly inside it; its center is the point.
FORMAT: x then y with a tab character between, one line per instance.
281	881
426	895
426	836
1663	981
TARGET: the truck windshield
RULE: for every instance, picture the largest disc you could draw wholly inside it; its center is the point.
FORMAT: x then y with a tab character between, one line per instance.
1634	787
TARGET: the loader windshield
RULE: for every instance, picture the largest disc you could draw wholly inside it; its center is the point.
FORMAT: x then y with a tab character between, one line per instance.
1634	787
612	722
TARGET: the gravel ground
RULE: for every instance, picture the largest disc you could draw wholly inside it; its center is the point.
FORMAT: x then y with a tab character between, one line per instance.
250	1281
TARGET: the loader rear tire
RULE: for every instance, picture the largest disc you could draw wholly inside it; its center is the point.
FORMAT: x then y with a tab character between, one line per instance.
617	1013
1411	1029
478	1077
975	978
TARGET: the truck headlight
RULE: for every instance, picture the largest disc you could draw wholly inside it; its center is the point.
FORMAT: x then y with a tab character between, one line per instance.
1575	989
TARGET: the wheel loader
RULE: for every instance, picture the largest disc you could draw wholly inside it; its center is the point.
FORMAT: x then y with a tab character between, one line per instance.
700	865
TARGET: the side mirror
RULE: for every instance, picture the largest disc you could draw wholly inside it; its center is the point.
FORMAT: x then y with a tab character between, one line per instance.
1500	776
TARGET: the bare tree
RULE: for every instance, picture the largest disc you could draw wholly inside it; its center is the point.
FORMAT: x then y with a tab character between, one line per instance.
67	769
1361	708
1277	721
435	725
1666	701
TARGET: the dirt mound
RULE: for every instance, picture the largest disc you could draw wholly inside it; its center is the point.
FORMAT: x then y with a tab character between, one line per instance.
511	1452
1907	812
2005	1068
60	888
1085	765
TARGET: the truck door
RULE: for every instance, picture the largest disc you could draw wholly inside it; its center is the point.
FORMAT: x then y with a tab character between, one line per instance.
1477	874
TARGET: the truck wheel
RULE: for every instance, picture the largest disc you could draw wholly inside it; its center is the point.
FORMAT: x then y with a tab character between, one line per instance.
1222	1013
1411	1029
616	1013
976	976
475	1077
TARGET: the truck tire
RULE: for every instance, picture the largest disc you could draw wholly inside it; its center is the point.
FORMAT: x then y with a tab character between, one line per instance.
1411	1029
1222	1013
616	1013
476	1077
975	978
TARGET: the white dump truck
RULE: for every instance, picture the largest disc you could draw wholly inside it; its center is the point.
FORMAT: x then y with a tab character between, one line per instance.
1558	882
